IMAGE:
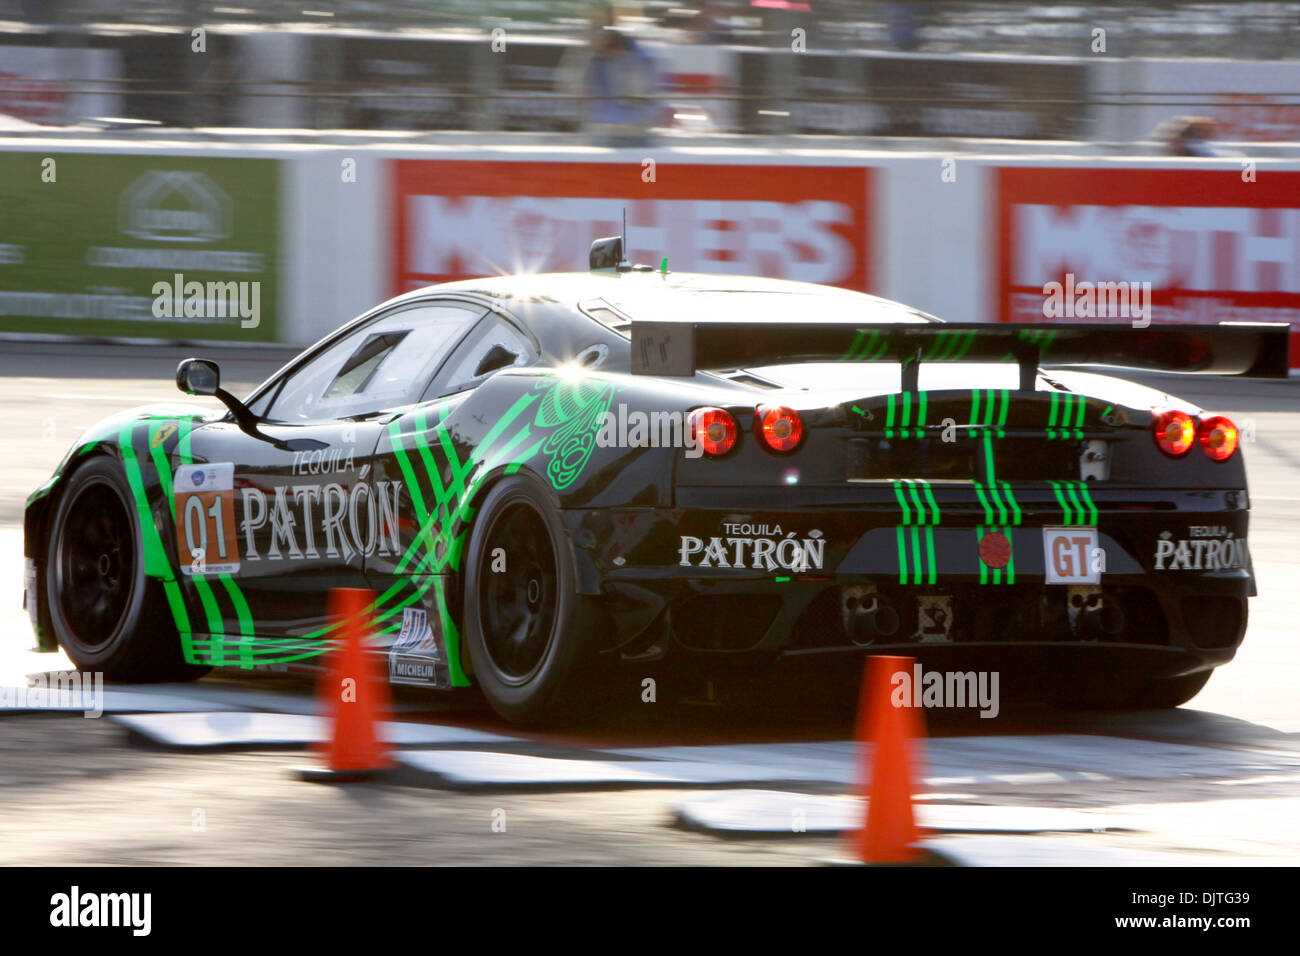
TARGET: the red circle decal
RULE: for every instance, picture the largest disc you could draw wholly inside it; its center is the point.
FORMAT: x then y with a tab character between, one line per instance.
995	549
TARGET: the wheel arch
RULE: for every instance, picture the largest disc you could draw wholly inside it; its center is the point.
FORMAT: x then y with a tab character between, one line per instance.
37	518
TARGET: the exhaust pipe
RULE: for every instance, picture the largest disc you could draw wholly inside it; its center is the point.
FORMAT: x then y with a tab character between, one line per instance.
870	618
1099	620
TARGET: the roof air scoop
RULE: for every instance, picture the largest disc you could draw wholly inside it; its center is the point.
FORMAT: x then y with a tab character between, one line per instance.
607	253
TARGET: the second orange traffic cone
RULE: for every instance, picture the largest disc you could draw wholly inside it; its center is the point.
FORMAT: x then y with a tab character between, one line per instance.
887	767
354	696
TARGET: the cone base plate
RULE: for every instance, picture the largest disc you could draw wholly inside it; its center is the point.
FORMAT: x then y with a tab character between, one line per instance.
326	775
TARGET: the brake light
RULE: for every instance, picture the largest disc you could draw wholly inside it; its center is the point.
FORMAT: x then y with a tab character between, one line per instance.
714	430
1218	436
1175	432
778	427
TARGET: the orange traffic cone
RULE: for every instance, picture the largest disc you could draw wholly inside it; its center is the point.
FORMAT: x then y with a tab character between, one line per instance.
884	734
354	697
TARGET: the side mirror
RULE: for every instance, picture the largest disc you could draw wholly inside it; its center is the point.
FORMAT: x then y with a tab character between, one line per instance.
195	376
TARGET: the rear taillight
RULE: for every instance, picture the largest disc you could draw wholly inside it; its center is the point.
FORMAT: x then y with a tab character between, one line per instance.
1218	437
1175	432
714	430
778	427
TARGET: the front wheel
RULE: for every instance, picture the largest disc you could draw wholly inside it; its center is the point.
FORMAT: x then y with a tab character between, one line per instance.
527	630
107	615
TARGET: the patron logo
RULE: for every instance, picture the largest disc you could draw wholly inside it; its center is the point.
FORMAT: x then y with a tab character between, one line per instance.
760	547
306	519
1200	552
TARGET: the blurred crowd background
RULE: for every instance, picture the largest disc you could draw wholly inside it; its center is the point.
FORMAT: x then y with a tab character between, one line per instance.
1154	28
1003	70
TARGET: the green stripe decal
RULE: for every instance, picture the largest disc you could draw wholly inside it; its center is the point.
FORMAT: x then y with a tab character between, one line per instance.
902	557
202	587
902	502
929	550
929	497
156	564
916	557
246	635
916	495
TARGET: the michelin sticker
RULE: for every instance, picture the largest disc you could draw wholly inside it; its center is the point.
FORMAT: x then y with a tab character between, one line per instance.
415	657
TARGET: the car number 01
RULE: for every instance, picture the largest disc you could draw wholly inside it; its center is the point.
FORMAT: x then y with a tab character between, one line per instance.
205	519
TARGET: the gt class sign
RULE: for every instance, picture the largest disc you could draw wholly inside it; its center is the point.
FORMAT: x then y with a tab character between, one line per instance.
461	218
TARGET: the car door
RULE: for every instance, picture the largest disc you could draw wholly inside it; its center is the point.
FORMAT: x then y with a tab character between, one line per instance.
287	511
431	451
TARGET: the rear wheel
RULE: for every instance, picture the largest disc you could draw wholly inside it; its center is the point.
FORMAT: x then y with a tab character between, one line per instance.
106	614
526	627
1170	692
1163	694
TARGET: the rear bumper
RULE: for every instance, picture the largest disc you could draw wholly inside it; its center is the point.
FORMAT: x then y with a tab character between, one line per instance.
1176	575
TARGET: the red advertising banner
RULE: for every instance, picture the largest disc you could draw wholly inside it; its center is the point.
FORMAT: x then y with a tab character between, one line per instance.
1197	245
456	219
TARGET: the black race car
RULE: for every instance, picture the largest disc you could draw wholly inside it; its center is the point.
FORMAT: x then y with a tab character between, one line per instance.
538	475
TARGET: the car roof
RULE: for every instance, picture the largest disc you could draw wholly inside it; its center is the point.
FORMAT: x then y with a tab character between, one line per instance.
624	287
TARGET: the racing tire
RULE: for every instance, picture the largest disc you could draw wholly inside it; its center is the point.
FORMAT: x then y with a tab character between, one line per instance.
527	629
1163	694
1170	692
106	614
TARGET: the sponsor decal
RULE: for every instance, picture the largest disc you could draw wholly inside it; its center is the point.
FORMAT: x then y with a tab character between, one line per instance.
331	519
456	219
1207	548
760	547
297	521
934	618
415	656
205	518
163	433
573	410
326	461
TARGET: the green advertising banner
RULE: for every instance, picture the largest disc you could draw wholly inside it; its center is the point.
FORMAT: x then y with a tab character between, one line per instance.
144	246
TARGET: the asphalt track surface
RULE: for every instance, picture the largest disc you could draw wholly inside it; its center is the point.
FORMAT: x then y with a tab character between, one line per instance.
1214	781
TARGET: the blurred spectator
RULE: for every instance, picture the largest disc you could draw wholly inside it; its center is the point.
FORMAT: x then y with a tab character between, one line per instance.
615	80
904	25
1188	136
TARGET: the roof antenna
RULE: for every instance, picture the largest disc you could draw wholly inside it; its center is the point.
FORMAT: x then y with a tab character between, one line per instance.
624	264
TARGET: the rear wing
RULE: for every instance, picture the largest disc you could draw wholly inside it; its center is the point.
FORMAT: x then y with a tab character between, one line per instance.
1256	350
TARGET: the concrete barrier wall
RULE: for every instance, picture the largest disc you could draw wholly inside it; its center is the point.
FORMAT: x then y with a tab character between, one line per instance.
969	239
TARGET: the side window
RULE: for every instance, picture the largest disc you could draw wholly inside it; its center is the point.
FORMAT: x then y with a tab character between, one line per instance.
381	365
493	345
